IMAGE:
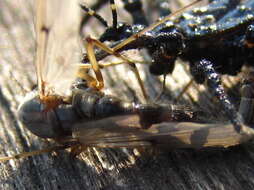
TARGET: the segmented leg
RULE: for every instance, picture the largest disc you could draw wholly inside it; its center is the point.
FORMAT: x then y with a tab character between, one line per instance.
246	108
162	88
204	70
82	74
184	90
91	56
33	153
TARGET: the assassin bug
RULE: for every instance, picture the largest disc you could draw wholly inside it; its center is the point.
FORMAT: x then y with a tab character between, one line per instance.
217	38
87	117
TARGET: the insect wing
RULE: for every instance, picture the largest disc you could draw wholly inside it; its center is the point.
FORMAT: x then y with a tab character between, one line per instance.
58	45
118	131
242	15
126	131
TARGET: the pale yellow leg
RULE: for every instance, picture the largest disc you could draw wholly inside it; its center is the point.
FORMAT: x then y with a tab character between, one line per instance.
91	56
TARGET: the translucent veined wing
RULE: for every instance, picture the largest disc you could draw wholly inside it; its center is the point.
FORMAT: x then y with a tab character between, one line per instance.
58	45
126	131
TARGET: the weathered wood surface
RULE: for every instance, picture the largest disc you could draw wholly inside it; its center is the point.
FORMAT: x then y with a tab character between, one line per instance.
231	168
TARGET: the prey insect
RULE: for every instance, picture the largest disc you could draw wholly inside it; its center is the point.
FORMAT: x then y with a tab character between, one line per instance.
85	117
217	38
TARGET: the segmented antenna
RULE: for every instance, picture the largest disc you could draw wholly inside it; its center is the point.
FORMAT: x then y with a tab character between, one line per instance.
94	14
99	17
114	13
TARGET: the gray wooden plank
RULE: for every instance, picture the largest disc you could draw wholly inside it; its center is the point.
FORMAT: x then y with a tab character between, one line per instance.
231	168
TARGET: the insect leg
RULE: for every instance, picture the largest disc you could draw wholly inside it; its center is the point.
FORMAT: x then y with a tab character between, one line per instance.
33	153
162	88
246	108
204	70
127	144
82	74
184	90
91	56
247	100
104	65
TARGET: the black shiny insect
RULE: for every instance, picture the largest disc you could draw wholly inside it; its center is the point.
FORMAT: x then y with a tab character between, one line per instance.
217	38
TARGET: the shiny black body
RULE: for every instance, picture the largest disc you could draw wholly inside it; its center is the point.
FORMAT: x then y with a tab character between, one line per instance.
217	38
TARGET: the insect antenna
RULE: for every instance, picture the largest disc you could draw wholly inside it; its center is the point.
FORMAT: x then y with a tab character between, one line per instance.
114	13
91	12
86	17
94	14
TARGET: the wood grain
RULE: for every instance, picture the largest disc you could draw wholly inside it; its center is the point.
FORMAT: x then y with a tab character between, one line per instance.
230	168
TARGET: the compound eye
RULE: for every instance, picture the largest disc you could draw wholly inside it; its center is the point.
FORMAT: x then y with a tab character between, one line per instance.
249	36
